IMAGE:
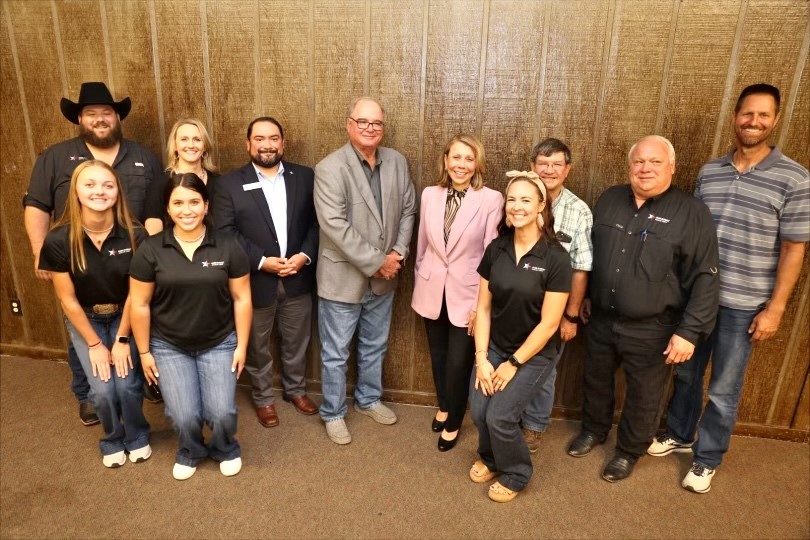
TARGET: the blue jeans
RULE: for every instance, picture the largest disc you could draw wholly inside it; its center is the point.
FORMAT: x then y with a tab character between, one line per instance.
119	401
729	346
78	385
337	322
500	443
199	387
537	415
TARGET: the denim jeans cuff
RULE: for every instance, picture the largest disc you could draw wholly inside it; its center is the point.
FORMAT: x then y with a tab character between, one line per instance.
138	443
111	447
540	428
511	483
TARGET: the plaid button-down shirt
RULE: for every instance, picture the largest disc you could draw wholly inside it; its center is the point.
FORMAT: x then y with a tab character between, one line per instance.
572	223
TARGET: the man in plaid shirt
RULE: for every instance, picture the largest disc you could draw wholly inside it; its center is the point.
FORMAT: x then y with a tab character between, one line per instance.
551	160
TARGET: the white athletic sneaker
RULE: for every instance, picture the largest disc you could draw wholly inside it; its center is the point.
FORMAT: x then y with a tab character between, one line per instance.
664	445
698	479
230	467
141	454
183	472
114	460
338	432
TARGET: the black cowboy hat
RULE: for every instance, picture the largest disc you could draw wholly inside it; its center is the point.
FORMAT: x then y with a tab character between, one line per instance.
93	93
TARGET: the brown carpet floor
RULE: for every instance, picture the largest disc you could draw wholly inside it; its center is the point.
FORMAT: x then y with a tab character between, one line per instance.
390	482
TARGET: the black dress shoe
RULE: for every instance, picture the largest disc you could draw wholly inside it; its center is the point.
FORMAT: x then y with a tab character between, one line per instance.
437	425
619	468
87	413
584	443
151	393
445	445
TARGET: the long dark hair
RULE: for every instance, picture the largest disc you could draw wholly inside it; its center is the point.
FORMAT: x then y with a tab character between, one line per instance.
547	227
189	181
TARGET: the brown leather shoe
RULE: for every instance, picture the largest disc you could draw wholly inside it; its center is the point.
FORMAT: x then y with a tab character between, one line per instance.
267	415
302	404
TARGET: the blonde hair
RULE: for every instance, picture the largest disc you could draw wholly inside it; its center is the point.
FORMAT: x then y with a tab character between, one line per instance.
73	216
472	142
172	159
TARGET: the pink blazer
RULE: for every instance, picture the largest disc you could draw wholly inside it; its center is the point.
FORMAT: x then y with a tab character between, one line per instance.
451	270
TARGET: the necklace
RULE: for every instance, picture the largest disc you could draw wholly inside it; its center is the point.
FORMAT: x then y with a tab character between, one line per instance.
190	241
89	230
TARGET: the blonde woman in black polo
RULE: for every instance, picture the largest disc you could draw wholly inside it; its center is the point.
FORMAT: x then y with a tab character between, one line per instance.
525	280
88	253
191	313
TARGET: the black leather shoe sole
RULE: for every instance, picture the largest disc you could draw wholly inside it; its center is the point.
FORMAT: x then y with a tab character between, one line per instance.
437	426
445	445
583	444
618	469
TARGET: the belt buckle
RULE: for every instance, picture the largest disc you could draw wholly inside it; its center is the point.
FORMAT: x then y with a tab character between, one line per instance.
105	309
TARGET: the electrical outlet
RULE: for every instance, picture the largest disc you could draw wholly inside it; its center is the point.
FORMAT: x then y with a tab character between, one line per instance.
16	307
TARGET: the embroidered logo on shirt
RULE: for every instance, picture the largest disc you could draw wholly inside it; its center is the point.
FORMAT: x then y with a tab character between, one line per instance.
206	264
528	266
113	252
79	158
659	219
138	164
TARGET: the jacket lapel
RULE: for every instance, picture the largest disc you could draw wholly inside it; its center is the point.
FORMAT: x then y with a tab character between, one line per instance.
438	203
365	190
290	186
250	177
470	206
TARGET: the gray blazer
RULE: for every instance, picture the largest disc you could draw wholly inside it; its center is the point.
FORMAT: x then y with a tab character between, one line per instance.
354	238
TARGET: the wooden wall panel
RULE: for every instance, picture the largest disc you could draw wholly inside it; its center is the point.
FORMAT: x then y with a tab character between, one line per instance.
180	61
694	90
130	44
514	72
572	82
635	67
395	46
232	27
340	70
286	89
598	74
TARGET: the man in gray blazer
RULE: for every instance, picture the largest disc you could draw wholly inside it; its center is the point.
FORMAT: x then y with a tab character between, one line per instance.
366	208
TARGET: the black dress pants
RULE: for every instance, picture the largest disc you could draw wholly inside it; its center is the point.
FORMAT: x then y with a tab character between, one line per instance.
640	354
452	354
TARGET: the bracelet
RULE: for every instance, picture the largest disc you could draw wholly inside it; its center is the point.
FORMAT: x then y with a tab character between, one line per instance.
143	353
94	346
480	352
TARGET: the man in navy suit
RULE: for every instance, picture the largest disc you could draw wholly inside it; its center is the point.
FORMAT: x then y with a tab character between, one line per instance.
267	205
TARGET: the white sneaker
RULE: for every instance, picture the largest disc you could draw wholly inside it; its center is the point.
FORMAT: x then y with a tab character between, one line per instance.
141	454
379	413
338	432
230	467
664	445
183	472
114	460
698	479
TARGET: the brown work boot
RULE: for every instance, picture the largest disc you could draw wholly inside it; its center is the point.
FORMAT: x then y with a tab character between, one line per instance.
532	439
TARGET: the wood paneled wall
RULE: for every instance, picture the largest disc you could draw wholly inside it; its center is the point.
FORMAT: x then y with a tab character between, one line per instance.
597	73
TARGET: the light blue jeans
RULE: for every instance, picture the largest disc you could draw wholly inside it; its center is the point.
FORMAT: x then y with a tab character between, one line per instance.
199	387
729	347
119	401
537	415
337	322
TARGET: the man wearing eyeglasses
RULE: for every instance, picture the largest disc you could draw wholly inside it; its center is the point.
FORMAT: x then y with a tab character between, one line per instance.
551	161
366	209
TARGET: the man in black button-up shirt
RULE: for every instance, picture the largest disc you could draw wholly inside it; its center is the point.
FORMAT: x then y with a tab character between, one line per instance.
654	295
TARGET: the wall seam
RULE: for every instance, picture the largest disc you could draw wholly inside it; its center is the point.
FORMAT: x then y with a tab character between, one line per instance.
150	5
209	108
731	77
665	74
541	82
790	106
105	33
482	69
60	51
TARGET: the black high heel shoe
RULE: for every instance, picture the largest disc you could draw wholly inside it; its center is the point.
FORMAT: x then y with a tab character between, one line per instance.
445	445
437	425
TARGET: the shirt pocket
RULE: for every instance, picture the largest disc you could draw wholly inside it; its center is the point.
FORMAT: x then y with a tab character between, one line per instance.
135	183
654	258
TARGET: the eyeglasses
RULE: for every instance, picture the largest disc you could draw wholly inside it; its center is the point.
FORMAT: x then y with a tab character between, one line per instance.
362	124
555	165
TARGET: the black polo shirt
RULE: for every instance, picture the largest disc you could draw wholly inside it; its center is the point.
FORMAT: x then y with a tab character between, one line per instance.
657	263
106	280
519	287
139	170
191	306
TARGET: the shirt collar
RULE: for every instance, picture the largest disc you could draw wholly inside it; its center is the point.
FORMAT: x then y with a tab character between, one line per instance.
769	161
364	161
263	176
170	240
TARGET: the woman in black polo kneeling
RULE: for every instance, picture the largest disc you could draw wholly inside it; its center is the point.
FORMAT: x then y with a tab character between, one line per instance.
525	280
191	313
88	253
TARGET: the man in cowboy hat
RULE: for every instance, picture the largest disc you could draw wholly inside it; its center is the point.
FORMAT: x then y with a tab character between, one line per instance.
99	117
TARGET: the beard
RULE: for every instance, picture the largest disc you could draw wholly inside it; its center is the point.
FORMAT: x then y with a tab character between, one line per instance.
267	160
747	140
89	136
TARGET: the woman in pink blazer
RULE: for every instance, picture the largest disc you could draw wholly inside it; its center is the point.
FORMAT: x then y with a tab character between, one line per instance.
459	218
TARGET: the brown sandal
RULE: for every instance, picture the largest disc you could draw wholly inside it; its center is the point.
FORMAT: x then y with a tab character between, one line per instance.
480	473
499	493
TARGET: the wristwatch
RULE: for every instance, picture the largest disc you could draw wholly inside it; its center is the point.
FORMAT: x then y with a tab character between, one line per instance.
514	361
122	339
572	318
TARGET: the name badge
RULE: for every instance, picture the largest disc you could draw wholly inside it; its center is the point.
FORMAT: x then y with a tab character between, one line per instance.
254	185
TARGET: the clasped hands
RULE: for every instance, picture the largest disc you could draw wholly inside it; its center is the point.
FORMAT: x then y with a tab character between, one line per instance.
390	267
284	266
490	380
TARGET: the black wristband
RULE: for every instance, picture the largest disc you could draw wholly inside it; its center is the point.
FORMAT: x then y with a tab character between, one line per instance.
572	318
514	361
